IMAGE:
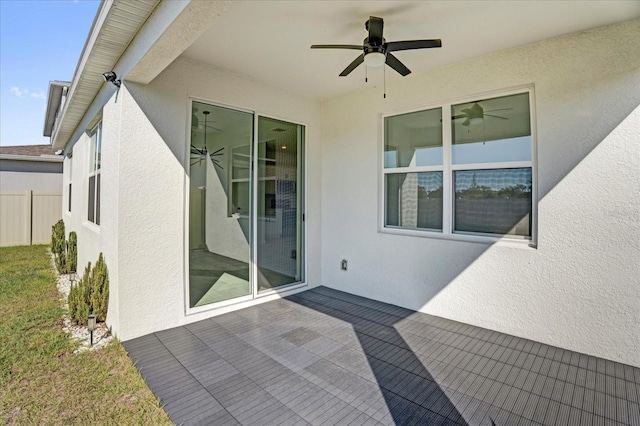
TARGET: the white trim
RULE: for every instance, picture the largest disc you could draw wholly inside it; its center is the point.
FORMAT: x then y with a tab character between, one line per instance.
91	226
42	158
491	166
412	169
253	207
447	175
506	241
534	168
95	170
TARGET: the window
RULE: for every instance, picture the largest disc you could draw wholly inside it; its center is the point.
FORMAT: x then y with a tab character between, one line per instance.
94	174
70	163
473	176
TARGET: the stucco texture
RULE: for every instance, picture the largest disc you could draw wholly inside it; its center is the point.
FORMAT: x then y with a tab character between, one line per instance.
580	288
153	185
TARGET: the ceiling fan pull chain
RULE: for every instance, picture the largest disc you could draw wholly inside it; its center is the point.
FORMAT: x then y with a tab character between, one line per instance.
384	78
366	74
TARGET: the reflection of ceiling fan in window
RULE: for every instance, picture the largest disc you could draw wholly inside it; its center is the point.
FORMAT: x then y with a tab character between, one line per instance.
198	155
476	111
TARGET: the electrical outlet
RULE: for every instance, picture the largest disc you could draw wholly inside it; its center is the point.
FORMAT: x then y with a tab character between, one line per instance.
343	264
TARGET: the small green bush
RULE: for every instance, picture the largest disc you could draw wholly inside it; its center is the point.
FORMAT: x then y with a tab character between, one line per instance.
100	289
79	298
59	247
72	252
91	295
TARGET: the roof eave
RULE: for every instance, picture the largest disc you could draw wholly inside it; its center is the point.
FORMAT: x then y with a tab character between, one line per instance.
41	158
56	91
87	82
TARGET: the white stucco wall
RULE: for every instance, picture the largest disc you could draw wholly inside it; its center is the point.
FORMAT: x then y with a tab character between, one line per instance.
580	289
153	184
95	239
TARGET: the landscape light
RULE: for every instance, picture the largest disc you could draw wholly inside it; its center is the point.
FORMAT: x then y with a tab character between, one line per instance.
91	325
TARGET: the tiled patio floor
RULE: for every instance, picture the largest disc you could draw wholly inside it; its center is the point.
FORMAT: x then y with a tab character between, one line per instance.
325	357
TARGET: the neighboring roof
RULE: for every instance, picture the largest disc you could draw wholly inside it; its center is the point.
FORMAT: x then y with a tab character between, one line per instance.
29	153
114	26
56	90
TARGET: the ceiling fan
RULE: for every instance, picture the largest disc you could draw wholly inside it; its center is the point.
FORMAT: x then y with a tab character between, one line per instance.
198	155
376	51
476	111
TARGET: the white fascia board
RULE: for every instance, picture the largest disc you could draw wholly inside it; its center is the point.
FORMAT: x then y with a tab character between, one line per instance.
54	97
98	22
43	158
115	19
170	30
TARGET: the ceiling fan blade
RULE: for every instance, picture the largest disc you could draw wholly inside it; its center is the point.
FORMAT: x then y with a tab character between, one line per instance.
495	116
455	117
500	109
337	46
209	126
375	27
394	46
394	63
352	66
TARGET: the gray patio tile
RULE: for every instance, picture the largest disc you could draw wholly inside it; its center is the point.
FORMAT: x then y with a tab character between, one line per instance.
633	413
588	401
358	361
541	410
586	418
574	417
552	413
220	418
633	393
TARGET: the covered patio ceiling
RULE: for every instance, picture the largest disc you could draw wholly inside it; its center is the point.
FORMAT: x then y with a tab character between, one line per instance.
269	41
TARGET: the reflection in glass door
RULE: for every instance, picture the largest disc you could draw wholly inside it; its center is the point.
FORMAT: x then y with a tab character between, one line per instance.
245	205
219	200
279	230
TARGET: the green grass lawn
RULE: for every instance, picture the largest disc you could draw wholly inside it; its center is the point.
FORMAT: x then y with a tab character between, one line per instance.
41	380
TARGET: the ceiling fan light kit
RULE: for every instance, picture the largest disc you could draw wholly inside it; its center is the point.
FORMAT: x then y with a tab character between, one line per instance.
374	59
376	51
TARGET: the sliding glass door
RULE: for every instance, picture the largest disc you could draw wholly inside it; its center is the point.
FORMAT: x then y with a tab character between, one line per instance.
245	205
219	205
279	203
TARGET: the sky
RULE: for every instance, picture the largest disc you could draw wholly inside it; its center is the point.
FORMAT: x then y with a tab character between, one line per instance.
40	41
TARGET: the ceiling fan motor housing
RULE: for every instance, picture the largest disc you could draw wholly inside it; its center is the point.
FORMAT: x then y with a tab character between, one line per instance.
372	48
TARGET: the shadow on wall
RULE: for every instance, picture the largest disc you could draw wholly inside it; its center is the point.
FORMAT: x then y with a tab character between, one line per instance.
168	116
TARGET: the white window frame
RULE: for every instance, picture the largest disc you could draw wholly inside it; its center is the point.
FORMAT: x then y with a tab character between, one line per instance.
448	169
95	166
69	183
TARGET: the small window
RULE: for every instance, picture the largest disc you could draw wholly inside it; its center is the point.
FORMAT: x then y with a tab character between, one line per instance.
70	174
476	179
94	175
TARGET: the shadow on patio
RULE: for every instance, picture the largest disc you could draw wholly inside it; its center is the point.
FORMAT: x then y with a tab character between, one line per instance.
332	358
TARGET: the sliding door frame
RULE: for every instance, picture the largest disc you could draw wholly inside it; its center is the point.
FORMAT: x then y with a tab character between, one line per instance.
254	207
255	295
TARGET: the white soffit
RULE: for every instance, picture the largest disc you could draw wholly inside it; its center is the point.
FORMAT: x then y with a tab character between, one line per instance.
115	25
269	41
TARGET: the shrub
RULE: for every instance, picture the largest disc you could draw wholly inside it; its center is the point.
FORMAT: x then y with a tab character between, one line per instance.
91	295
59	246
100	289
79	301
72	252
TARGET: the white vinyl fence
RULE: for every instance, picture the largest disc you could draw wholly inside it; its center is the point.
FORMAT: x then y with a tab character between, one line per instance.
26	217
